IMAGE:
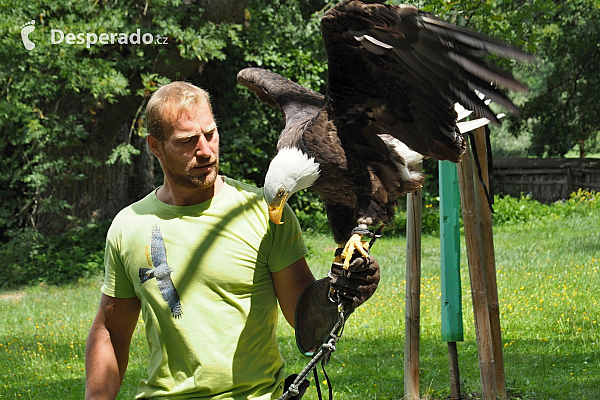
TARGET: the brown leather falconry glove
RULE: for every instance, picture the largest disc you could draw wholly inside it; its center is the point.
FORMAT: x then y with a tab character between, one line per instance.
317	309
356	284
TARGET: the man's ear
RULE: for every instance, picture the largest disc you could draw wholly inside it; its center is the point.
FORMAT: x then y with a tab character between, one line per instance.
154	146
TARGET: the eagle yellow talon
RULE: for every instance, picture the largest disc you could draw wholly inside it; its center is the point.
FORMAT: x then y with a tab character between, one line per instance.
354	243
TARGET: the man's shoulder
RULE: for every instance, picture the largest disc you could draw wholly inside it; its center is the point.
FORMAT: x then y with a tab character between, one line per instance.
130	215
145	205
245	188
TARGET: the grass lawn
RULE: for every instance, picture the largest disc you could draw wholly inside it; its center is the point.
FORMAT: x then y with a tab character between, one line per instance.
548	275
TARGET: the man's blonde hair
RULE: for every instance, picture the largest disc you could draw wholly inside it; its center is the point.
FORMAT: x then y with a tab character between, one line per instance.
179	97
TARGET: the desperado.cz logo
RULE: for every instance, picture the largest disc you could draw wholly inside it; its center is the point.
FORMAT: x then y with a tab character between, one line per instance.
57	36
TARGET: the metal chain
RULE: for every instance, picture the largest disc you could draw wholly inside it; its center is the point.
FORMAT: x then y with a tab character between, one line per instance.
326	349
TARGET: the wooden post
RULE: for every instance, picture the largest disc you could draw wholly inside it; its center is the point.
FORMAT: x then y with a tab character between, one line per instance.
413	295
454	371
478	284
488	254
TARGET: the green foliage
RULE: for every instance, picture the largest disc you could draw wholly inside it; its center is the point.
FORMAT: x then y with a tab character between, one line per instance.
287	40
505	144
122	153
562	110
310	212
62	105
430	217
30	257
510	210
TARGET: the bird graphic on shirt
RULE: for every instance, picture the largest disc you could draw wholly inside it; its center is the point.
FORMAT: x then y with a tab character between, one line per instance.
162	273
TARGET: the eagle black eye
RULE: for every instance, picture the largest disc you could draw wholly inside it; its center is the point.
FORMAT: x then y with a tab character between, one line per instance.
280	192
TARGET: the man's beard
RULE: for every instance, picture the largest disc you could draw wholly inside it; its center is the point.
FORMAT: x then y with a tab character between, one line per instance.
190	181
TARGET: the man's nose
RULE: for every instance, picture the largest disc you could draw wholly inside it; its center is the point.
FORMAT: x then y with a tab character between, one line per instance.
202	147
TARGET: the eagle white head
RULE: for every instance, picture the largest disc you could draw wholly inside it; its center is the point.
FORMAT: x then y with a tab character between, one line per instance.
290	171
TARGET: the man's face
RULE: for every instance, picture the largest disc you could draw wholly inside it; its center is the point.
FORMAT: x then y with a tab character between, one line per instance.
190	153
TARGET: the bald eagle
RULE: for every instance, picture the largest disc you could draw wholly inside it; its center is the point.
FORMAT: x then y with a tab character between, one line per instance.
394	76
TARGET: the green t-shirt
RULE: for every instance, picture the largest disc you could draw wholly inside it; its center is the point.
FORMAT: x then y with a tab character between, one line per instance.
215	337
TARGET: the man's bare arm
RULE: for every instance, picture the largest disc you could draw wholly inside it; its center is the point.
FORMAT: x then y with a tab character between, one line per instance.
107	347
289	284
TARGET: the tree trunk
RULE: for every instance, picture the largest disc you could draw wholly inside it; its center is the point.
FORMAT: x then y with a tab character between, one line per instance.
224	10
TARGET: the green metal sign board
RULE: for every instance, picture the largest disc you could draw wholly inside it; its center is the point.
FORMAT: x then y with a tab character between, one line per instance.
452	323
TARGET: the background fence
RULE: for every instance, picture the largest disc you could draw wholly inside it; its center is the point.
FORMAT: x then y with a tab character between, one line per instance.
548	179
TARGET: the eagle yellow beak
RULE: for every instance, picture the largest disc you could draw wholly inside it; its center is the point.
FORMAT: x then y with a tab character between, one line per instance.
276	211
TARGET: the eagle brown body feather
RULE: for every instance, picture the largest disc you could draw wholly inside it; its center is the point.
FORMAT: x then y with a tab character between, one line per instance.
394	71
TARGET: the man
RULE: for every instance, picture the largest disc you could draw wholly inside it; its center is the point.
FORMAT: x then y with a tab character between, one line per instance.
201	260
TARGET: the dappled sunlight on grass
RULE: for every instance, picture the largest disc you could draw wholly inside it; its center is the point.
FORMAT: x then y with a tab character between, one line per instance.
42	344
550	325
549	316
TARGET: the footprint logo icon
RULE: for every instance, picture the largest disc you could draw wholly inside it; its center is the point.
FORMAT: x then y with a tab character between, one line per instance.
26	29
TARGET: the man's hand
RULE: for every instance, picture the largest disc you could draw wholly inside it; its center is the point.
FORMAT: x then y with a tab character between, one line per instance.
316	314
358	283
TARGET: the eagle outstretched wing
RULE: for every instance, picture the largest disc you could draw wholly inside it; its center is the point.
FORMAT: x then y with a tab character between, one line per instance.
161	272
397	70
158	251
170	295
